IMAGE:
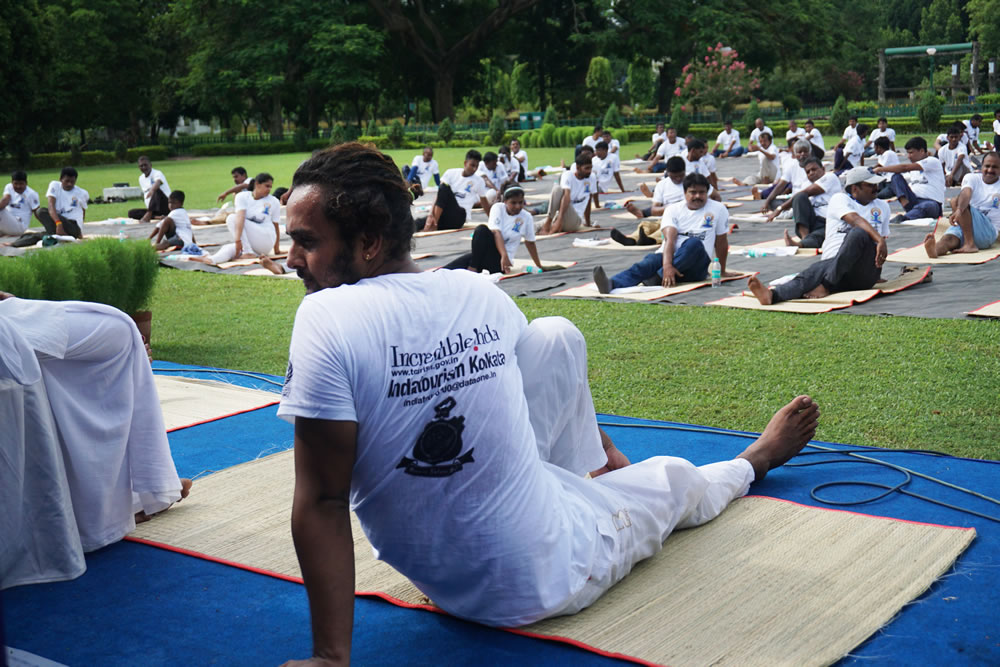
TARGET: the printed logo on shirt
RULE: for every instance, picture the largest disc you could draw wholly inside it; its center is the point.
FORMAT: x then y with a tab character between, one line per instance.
286	389
876	215
707	224
996	201
517	224
437	452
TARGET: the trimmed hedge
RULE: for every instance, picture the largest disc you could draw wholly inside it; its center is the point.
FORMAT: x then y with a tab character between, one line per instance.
91	158
117	273
255	148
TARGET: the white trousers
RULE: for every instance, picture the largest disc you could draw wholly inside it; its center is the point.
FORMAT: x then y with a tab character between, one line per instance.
636	507
257	237
10	225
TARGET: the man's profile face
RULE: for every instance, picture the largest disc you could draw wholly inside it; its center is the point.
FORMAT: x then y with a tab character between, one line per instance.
659	128
318	255
991	169
471	166
814	172
759	123
975	122
238	178
145	167
68	182
916	154
765	140
696	196
19	186
809	127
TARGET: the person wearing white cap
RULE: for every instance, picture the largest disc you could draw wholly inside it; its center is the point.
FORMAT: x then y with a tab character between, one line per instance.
975	221
857	225
919	184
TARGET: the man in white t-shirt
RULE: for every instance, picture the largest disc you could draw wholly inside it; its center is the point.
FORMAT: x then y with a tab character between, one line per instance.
613	144
809	206
671	146
882	129
727	144
521	159
853	252
460	190
954	157
698	161
669	190
794	132
571	198
658	138
155	191
494	175
975	221
767	154
971	137
18	205
755	133
595	136
423	168
606	168
792	177
919	185
694	232
67	207
174	231
996	130
815	138
459	434
884	152
853	152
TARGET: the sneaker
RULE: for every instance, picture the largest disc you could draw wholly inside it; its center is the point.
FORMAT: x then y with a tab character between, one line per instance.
602	281
621	238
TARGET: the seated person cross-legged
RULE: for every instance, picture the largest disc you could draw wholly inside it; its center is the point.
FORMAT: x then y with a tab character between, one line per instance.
694	231
669	190
459	191
857	224
975	222
809	206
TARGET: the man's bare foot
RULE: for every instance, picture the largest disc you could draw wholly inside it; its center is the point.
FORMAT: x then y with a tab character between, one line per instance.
645	190
738	182
817	293
633	209
966	248
792	240
930	245
204	259
760	290
272	265
790	429
754	192
185	487
616	459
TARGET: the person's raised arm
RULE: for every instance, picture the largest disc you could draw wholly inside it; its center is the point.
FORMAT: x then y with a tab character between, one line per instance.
321	530
505	263
241	220
618	179
898	168
778	188
4	201
233	190
670	274
961	205
533	252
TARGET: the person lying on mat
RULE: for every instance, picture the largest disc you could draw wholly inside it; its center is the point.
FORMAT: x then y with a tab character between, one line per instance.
975	222
857	225
427	404
495	243
254	225
669	190
694	231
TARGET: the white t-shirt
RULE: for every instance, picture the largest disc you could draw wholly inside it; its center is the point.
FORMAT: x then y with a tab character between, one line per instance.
667	150
667	192
888	158
425	170
259	211
700	166
799	133
792	172
755	133
69	203
22	205
928	183
943	139
775	160
888	133
182	224
948	156
606	169
522	160
854	149
816	139
971	133
985	197
591	141
146	183
579	190
726	139
831	186
704	224
447	482
850	132
512	227
467	189
876	213
613	146
497	175
662	136
996	129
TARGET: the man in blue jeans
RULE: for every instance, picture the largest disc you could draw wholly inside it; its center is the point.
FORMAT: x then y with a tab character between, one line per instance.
919	184
694	231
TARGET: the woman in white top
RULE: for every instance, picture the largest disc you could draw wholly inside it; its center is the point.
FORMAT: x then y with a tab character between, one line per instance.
495	244
254	225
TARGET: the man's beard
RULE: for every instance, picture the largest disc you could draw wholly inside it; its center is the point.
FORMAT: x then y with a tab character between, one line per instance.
340	272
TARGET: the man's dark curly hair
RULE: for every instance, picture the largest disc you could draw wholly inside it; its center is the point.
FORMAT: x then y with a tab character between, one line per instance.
364	195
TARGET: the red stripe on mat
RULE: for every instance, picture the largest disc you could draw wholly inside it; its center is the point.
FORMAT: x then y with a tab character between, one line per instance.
231	414
390	599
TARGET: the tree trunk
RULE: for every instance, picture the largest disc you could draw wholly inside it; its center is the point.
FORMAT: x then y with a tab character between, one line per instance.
665	89
444	86
275	122
540	79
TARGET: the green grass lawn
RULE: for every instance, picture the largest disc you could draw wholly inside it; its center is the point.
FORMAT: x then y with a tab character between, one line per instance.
888	382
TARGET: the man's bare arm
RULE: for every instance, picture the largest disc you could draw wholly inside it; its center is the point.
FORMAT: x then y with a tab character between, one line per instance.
321	529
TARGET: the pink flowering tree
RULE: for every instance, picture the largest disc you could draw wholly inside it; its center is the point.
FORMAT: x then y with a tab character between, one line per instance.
718	79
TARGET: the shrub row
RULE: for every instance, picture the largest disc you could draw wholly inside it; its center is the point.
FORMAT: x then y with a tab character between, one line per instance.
565	136
90	158
109	271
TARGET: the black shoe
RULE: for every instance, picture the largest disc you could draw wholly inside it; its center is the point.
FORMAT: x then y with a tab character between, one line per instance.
621	238
602	281
898	219
645	240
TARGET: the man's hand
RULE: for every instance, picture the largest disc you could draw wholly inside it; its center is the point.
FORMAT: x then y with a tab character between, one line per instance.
881	252
769	217
6	295
879	170
505	265
766	210
670	276
239	249
220	197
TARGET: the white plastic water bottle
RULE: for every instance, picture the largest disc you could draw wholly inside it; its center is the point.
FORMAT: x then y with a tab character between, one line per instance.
716	270
121	235
756	252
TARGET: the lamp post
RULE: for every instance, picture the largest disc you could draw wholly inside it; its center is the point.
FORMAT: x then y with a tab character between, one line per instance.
931	51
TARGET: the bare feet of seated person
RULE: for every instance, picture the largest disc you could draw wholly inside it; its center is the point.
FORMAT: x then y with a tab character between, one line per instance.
790	429
142	517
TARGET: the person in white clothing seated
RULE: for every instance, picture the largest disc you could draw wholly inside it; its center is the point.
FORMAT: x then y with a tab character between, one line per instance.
857	224
418	174
814	137
755	132
971	138
767	153
591	141
18	205
494	175
520	161
809	206
727	144
254	225
975	220
919	184
174	231
658	138
694	231
66	210
792	177
882	129
669	147
853	152
697	160
849	132
794	132
155	191
475	490
606	168
571	198
84	444
668	190
495	244
613	144
460	190
954	157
